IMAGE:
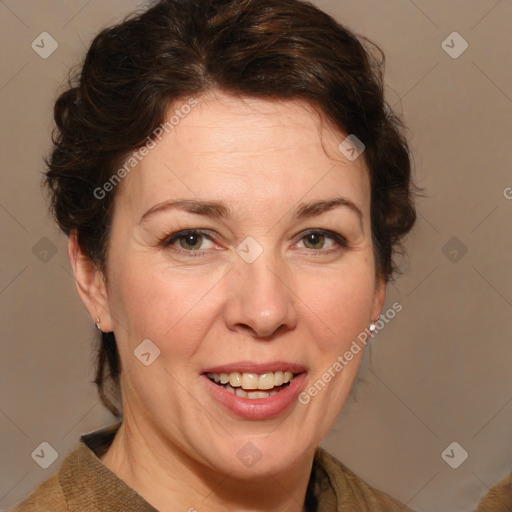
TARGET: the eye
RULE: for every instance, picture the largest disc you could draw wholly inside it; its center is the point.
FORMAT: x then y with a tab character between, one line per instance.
322	240
190	240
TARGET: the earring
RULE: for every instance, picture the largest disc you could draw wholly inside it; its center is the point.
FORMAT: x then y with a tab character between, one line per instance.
372	327
98	326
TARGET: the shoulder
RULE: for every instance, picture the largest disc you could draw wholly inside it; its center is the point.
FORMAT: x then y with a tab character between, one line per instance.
48	497
499	497
353	493
81	478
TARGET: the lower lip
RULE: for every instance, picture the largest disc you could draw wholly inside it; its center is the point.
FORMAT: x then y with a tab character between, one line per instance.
258	408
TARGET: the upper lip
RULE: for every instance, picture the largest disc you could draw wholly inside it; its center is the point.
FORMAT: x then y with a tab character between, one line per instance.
253	367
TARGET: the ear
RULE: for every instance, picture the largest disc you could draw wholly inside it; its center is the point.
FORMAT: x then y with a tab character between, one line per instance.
379	297
90	284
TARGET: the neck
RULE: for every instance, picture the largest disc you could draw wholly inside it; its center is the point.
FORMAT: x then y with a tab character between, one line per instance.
170	480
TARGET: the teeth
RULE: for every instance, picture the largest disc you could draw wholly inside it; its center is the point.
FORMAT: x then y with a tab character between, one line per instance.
288	377
252	394
235	379
241	393
267	381
258	394
252	381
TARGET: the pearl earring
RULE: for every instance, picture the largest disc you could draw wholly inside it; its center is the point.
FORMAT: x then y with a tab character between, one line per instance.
372	327
98	326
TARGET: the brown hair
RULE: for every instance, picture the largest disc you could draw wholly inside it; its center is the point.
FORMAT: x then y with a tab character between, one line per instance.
272	49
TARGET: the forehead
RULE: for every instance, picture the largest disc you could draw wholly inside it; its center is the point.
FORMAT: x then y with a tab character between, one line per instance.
245	150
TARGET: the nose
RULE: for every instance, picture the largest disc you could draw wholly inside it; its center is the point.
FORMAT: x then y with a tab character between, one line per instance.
260	302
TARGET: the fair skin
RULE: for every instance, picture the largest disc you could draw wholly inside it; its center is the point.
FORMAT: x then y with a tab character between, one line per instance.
302	300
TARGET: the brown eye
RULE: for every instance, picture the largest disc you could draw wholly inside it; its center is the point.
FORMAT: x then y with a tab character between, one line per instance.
322	241
314	241
191	241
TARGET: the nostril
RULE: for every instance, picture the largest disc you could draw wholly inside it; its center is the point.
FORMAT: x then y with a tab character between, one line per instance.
262	334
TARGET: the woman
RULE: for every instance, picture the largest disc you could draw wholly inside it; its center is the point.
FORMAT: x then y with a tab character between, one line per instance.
233	186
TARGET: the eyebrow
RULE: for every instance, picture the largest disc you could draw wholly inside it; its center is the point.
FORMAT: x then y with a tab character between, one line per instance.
306	210
218	209
214	209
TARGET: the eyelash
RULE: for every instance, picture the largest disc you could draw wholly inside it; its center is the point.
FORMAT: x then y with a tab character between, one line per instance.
169	241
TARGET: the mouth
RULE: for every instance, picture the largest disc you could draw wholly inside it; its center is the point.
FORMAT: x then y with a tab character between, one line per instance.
255	391
253	385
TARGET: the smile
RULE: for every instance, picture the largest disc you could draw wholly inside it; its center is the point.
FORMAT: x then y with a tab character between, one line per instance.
253	385
255	391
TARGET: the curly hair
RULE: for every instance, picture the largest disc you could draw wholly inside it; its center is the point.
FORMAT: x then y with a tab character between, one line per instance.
174	49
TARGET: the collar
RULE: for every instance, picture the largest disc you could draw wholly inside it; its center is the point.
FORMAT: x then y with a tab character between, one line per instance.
89	485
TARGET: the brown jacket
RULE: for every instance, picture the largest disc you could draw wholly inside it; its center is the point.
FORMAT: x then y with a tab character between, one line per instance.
499	498
85	484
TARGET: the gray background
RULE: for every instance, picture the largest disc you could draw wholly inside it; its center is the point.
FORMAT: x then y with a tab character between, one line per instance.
438	373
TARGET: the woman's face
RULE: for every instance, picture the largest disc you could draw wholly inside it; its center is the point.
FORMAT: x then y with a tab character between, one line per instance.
273	273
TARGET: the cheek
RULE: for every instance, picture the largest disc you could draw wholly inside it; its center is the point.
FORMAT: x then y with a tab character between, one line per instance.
172	309
341	306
